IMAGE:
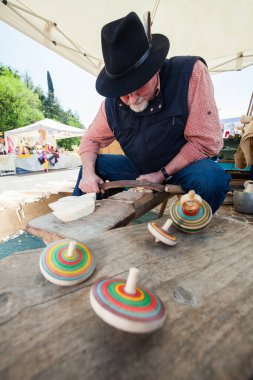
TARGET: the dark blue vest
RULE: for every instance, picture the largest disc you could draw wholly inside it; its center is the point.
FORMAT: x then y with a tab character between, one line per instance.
152	138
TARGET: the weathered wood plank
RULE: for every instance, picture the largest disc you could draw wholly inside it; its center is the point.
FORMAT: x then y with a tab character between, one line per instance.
205	281
105	217
116	211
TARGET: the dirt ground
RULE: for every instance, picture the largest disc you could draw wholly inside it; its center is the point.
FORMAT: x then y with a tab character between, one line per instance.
28	181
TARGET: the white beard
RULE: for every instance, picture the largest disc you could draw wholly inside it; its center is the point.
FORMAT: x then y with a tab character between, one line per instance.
141	106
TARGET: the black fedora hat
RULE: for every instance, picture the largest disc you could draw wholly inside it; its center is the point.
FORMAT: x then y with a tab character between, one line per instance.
131	58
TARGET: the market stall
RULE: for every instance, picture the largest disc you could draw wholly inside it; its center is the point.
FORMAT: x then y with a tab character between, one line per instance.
28	147
42	132
7	164
30	162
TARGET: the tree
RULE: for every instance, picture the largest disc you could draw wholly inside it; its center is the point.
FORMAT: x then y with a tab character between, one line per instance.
50	84
69	143
22	103
19	105
51	107
70	118
28	82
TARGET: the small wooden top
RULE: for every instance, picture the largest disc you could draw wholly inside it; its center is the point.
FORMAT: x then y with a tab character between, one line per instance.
205	282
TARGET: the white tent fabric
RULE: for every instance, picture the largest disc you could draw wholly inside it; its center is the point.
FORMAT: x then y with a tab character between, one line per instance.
220	30
33	132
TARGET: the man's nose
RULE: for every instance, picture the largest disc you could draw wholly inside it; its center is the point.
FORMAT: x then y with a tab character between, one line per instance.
133	97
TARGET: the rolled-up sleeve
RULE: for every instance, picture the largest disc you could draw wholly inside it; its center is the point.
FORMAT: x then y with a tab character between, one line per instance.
203	131
98	135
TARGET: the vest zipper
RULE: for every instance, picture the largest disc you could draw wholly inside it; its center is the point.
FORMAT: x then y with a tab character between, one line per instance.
173	120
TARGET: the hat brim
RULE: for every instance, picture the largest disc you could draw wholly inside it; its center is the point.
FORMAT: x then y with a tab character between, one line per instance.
114	88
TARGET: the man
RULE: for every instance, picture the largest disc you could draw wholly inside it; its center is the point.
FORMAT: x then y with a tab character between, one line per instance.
162	112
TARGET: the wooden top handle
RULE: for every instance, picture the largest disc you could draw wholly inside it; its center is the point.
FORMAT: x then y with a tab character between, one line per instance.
191	202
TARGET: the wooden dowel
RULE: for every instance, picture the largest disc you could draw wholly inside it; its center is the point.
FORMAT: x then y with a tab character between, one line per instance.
71	248
131	281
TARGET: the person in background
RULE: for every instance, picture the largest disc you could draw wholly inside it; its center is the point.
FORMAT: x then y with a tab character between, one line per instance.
18	150
44	158
53	159
2	149
25	150
161	111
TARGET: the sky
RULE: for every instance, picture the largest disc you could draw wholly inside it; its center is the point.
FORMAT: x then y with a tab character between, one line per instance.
75	88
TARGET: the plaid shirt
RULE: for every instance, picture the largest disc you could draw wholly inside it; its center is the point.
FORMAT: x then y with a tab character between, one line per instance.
202	131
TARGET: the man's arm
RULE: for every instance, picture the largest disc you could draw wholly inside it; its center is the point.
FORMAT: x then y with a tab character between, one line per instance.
97	136
90	181
202	131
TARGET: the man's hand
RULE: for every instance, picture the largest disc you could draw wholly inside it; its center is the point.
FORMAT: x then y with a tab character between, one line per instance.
90	183
156	177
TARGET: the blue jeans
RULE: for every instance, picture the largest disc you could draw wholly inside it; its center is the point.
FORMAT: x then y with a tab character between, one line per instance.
206	177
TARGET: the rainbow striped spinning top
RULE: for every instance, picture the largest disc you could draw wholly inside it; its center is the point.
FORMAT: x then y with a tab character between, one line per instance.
161	233
191	220
126	307
66	262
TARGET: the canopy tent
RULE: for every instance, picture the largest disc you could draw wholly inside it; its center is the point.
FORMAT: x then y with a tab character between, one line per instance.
220	30
43	130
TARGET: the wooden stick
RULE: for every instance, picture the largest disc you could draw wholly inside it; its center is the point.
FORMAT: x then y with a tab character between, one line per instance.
165	227
71	248
131	280
174	189
162	209
132	183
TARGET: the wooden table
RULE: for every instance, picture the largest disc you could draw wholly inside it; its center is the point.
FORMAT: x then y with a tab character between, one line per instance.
206	282
113	212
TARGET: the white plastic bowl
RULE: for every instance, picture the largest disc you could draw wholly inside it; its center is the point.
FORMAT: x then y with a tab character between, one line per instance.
75	211
71	201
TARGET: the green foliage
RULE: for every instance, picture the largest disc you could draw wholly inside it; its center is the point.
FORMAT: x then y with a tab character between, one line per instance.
52	108
71	119
28	82
69	143
21	103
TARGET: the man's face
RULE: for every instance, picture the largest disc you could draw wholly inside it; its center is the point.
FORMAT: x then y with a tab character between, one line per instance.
138	100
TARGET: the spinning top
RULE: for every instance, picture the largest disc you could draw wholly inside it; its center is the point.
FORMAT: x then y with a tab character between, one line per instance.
127	307
66	262
191	213
161	233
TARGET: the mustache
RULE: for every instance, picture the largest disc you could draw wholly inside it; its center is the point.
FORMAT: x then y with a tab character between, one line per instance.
139	107
139	100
